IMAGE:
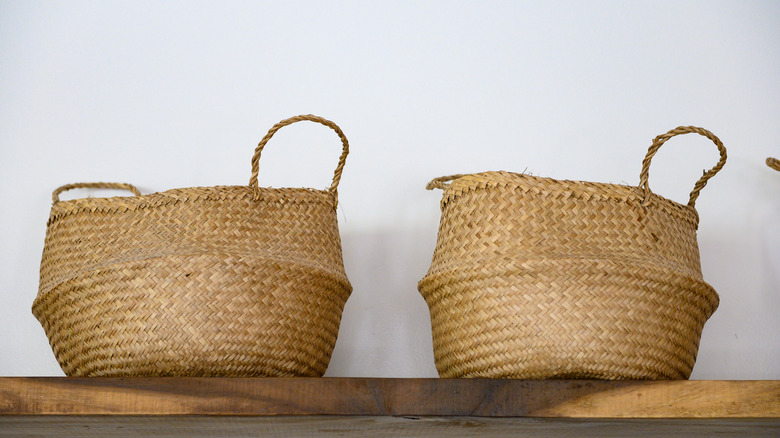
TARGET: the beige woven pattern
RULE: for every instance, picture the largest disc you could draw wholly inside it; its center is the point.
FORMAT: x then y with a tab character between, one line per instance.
774	163
538	278
205	281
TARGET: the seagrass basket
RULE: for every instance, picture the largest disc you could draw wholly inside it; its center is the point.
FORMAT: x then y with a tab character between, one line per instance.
536	278
204	281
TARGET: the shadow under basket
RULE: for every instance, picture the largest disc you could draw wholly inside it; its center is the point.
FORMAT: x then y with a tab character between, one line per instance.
205	281
536	278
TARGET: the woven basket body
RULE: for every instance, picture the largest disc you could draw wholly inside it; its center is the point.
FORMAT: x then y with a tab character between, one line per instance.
541	278
216	281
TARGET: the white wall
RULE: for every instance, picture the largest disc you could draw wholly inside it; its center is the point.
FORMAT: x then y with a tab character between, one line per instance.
177	94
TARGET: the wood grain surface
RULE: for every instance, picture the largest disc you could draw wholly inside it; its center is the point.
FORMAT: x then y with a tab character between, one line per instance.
376	427
389	397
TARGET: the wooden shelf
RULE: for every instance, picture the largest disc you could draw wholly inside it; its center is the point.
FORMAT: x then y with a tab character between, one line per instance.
383	407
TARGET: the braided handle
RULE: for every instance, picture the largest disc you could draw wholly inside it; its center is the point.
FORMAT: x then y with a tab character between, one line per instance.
55	195
774	163
441	182
660	140
291	120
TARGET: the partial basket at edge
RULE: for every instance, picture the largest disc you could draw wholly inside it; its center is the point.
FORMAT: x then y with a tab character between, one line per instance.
541	278
204	281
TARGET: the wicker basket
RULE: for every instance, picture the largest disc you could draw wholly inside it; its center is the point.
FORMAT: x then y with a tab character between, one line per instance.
774	163
205	281
539	278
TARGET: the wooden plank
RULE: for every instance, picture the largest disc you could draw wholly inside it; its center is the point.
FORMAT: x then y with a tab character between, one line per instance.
389	397
376	427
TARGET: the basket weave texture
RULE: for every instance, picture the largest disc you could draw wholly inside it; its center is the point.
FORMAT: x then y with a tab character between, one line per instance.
540	278
204	281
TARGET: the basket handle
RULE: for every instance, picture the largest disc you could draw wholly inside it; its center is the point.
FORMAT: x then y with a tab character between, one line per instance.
774	163
660	140
339	168
55	195
441	182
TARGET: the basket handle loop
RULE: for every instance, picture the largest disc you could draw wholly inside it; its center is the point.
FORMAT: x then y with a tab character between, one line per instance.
291	120
55	195
660	140
774	163
441	182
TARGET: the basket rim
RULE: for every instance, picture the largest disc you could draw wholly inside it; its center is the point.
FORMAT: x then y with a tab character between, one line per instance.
120	204
563	189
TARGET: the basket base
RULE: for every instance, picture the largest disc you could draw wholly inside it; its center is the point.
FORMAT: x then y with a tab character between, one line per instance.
195	316
577	319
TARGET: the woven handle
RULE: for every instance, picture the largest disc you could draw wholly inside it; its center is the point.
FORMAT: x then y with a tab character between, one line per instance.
660	140
774	163
441	182
339	168
55	195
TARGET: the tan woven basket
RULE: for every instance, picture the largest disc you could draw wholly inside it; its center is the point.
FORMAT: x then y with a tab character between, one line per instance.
204	281
539	278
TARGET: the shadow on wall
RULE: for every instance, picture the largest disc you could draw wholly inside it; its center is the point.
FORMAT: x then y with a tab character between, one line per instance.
385	329
741	259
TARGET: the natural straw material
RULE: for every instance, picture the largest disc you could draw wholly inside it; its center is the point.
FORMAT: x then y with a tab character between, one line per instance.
205	281
55	196
541	278
774	163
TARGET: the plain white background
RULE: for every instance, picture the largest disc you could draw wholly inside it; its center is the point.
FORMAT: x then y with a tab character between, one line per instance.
177	94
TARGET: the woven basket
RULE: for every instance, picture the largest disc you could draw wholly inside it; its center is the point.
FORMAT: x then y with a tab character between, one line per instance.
774	163
205	281
537	278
